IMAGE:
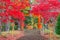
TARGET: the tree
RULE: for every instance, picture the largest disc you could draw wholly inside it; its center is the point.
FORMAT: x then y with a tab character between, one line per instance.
19	16
57	28
46	8
15	9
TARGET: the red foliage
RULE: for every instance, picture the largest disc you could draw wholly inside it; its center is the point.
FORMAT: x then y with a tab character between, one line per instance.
11	20
4	17
17	15
17	4
13	9
44	7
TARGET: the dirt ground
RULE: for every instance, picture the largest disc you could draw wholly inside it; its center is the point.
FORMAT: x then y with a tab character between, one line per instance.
32	35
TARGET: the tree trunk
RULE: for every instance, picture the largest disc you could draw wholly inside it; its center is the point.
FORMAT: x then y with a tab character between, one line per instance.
0	26
7	26
22	25
18	25
39	22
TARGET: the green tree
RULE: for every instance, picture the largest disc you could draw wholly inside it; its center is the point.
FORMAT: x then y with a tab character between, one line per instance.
28	20
57	28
